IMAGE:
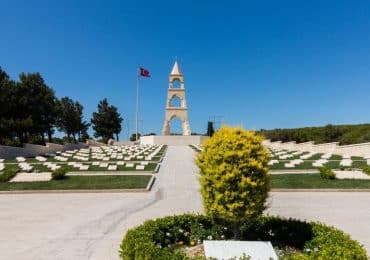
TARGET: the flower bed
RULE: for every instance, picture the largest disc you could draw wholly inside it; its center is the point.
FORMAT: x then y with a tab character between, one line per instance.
170	237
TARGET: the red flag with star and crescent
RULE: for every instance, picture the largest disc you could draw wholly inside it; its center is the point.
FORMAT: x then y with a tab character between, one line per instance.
144	73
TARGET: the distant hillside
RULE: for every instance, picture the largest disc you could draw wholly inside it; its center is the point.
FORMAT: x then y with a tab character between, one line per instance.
344	134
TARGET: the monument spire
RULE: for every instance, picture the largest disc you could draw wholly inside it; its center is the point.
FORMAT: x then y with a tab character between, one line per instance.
175	69
176	91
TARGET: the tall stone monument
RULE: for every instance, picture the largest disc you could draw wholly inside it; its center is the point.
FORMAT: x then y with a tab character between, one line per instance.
176	90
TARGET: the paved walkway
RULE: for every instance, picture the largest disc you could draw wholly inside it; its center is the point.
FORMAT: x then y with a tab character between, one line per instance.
91	226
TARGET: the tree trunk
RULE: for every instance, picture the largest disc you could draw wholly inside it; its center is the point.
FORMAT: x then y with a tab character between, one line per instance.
50	136
74	137
117	137
236	231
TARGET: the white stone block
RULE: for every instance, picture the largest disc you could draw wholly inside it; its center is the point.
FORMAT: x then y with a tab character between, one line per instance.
40	158
144	163
84	167
103	165
112	167
129	165
140	167
234	249
120	163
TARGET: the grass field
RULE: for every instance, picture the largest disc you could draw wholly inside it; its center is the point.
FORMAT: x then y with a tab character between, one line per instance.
82	182
314	181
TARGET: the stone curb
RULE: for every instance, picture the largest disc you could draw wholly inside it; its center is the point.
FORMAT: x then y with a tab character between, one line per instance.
156	170
74	191
105	173
150	183
320	190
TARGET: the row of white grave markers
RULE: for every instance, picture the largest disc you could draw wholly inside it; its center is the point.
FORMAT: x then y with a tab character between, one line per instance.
283	155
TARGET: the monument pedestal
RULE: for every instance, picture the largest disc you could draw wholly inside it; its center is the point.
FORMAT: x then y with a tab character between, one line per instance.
173	139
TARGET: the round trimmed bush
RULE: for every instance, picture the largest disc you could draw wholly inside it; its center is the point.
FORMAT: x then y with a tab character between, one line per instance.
59	174
166	238
234	176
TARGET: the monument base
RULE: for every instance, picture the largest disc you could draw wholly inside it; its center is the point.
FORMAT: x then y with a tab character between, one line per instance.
173	139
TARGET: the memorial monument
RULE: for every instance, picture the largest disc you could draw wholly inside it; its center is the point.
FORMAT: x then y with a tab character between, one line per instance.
175	90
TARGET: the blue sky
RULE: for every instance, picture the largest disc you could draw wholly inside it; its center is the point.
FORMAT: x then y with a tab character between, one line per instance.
262	64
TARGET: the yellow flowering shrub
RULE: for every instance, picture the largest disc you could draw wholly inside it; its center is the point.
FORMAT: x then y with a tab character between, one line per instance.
234	175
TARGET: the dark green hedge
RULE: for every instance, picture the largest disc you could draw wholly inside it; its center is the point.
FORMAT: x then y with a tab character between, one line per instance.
162	238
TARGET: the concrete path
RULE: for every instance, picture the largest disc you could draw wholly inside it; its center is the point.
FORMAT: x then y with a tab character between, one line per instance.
91	226
348	211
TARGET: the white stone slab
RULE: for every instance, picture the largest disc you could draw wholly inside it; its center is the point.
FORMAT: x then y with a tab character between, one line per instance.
120	163
84	167
351	175
140	167
112	167
40	158
129	165
29	177
144	163
103	165
256	250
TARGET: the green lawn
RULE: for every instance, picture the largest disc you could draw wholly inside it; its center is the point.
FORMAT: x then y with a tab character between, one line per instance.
314	181
82	182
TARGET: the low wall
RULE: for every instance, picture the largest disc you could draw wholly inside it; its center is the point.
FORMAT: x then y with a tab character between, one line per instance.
173	139
91	142
334	148
32	150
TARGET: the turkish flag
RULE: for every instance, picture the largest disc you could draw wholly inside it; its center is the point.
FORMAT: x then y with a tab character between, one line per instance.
144	72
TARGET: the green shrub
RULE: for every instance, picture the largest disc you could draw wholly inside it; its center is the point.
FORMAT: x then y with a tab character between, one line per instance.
327	173
8	174
366	169
164	238
234	179
59	174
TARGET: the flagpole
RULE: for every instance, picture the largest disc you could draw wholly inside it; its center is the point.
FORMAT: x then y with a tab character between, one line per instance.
137	106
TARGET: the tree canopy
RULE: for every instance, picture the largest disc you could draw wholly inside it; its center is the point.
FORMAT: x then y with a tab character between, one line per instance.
106	122
344	134
28	109
70	118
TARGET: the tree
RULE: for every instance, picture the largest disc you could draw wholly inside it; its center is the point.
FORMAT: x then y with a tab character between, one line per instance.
133	137
210	129
234	179
4	105
70	119
107	121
